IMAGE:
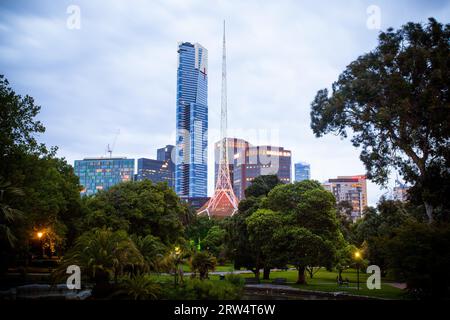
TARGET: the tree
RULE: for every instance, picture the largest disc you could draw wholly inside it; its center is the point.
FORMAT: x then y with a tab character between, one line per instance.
152	249
140	208
419	255
18	126
214	241
395	101
311	236
262	185
378	226
8	214
102	254
261	226
202	262
301	248
237	243
344	258
344	217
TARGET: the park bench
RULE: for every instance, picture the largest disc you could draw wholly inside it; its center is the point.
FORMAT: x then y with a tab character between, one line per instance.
279	281
342	282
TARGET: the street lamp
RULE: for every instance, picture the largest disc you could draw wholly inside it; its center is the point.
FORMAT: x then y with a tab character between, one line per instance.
357	257
177	252
40	234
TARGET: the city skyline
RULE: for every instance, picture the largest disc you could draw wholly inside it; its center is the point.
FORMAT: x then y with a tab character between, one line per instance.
136	94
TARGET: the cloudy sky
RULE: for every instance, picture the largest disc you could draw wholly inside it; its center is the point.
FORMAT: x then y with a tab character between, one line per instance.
118	70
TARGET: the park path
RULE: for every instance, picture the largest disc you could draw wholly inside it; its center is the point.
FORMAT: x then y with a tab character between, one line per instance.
398	285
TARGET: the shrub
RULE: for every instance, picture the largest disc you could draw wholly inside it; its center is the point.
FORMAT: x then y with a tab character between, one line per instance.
195	289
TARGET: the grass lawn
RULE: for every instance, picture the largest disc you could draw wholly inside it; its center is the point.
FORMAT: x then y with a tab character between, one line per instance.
326	281
228	267
322	280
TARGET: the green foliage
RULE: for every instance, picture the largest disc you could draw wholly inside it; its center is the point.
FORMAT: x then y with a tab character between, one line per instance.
152	249
237	242
214	241
18	126
261	226
285	198
195	289
202	262
262	185
51	199
395	101
420	255
140	208
198	227
138	287
8	215
101	254
379	225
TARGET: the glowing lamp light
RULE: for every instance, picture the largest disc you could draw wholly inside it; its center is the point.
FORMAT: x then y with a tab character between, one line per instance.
40	234
357	255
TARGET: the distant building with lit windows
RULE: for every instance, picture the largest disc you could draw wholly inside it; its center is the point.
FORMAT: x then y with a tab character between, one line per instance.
352	189
302	171
155	171
102	173
246	162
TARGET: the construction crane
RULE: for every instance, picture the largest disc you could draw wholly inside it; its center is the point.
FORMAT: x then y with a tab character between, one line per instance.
110	148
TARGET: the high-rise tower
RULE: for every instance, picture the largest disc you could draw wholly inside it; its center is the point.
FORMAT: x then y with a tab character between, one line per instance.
224	202
192	121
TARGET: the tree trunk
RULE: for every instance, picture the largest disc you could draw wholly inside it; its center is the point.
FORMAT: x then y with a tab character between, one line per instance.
257	274
429	211
301	275
266	273
340	275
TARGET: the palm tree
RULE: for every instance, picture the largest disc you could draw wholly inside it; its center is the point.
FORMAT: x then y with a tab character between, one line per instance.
102	254
8	214
152	249
202	262
139	287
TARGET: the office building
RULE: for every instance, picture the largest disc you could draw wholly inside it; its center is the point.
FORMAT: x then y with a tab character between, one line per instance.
352	189
235	147
102	173
165	154
191	121
247	162
155	171
302	171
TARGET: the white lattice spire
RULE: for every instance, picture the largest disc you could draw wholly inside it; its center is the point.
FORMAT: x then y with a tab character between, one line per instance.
224	202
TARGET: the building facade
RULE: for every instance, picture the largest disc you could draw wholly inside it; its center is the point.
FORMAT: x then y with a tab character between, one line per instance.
191	121
155	171
235	147
400	192
166	153
102	173
352	189
247	162
302	171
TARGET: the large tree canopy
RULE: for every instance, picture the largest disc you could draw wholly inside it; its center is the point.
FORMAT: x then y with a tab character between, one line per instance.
141	208
395	102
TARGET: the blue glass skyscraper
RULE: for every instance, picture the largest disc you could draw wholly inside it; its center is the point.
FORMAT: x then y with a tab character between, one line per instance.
192	121
302	171
102	173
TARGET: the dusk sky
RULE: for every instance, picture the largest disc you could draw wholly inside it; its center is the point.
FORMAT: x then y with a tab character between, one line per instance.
118	70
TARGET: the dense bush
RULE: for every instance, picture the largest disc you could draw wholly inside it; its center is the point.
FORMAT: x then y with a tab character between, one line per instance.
195	289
